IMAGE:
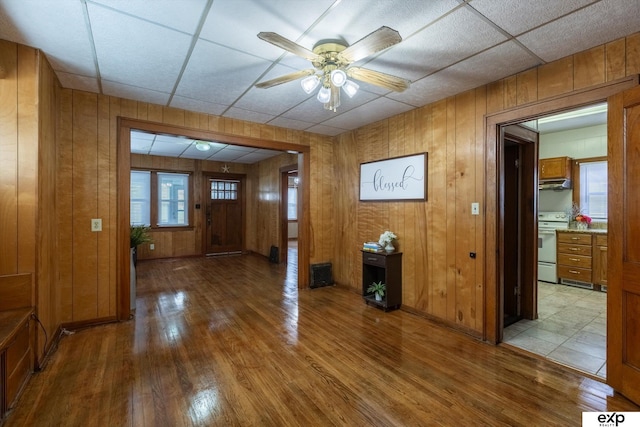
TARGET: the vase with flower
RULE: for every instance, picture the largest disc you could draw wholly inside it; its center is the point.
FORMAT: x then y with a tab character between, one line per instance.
386	241
580	219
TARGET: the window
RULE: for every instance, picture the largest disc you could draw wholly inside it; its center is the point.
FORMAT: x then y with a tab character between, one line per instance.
140	198
173	189
593	188
224	190
292	199
159	199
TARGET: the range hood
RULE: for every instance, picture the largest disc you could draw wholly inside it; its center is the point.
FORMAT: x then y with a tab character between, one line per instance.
555	184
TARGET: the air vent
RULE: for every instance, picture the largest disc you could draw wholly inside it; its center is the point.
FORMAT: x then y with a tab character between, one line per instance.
321	275
577	283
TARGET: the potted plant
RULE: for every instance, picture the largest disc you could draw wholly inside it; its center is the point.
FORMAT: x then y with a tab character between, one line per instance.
378	289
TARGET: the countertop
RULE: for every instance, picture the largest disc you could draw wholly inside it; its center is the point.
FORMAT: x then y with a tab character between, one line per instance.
587	231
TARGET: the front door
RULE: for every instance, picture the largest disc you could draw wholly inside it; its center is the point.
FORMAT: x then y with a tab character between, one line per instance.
623	287
224	223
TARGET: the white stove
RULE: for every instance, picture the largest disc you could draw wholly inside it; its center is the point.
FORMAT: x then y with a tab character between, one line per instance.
548	223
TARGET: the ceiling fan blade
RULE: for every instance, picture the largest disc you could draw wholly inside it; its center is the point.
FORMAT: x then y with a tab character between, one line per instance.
286	78
377	78
286	44
380	39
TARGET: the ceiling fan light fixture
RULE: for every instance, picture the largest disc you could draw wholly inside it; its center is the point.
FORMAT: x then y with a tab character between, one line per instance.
310	83
350	88
338	77
203	146
324	94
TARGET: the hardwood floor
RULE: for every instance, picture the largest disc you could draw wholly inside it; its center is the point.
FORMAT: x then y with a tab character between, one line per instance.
231	341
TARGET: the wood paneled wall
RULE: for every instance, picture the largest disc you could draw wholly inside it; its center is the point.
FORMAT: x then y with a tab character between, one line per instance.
87	153
261	211
440	280
264	209
28	234
46	206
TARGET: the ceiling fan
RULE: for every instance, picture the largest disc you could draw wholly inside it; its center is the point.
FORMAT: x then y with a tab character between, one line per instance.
332	61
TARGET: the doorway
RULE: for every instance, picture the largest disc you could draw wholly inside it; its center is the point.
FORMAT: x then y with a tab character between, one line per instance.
518	179
289	212
568	325
224	224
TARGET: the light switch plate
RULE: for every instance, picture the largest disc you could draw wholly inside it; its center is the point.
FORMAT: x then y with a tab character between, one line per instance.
475	208
96	224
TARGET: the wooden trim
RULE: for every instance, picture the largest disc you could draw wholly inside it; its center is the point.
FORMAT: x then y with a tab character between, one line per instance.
123	266
493	121
304	220
74	326
575	175
226	138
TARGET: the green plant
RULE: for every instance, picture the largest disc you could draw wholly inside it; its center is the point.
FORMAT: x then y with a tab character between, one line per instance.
139	234
377	288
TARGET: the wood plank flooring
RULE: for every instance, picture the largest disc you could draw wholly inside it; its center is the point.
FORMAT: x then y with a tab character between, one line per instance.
231	341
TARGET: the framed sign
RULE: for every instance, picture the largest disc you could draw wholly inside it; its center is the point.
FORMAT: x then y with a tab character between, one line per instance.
398	178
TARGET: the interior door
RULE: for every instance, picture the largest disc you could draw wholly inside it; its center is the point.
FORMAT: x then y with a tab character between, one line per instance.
512	267
521	250
623	276
224	228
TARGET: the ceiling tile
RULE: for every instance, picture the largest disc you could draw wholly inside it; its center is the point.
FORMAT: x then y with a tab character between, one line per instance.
524	15
248	115
183	15
276	99
451	39
597	24
135	93
88	84
377	109
198	105
313	111
353	20
326	130
290	123
39	24
146	49
236	24
136	52
218	74
498	62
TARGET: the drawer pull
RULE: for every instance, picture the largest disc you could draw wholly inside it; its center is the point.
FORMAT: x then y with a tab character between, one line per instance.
575	238
573	249
574	272
574	259
372	259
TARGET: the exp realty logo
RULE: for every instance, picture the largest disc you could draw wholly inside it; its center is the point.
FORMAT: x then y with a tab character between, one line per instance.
610	419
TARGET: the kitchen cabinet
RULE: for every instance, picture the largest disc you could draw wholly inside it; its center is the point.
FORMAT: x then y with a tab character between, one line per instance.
574	256
554	168
600	259
385	268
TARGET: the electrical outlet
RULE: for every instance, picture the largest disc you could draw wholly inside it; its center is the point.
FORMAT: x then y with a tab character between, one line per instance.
96	224
152	247
475	208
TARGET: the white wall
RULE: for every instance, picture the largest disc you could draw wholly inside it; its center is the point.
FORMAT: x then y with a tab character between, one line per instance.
577	144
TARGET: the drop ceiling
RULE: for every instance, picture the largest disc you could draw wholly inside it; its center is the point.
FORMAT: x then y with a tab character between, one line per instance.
204	55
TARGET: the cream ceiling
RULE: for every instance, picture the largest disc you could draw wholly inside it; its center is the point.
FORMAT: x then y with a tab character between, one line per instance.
204	55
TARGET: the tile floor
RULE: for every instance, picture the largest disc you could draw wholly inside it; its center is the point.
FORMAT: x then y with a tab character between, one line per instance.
571	328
